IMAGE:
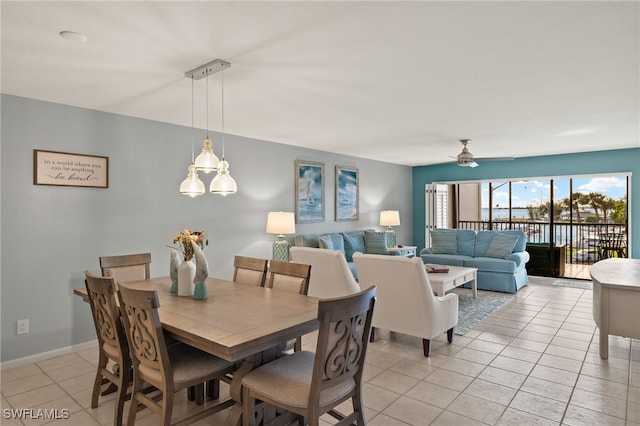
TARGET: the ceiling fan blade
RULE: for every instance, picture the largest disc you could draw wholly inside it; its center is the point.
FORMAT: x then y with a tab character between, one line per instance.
493	159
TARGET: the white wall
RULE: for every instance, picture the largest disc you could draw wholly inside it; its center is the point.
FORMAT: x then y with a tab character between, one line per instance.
51	235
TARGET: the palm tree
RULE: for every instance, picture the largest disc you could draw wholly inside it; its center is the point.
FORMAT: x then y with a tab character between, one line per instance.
596	200
608	204
577	199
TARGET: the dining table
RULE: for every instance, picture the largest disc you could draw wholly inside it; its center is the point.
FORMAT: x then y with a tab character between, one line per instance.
237	322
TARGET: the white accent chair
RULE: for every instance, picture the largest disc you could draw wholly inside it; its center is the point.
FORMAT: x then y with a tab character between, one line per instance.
330	275
406	303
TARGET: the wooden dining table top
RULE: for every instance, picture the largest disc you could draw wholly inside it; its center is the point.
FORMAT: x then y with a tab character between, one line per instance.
235	321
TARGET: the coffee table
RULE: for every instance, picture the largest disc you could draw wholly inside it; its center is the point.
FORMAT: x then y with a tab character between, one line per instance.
441	282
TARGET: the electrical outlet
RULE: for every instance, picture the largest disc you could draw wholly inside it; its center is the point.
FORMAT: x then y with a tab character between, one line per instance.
23	326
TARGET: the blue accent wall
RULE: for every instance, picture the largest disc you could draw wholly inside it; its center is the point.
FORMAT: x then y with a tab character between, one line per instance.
578	164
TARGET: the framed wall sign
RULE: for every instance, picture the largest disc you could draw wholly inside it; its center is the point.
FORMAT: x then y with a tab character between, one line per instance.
309	180
347	202
66	169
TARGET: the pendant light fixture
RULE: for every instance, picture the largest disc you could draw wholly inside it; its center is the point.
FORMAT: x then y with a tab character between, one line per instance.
207	161
192	185
223	184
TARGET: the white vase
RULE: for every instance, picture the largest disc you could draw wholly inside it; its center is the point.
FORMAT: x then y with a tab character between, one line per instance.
186	274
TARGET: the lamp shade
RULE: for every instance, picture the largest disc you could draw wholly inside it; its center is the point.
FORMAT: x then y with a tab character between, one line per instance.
281	223
389	218
192	185
207	161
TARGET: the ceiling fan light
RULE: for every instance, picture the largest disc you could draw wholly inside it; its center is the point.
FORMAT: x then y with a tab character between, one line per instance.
207	161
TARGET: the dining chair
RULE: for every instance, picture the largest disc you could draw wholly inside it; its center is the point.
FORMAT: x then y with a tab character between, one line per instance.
127	267
406	303
113	350
250	270
308	384
330	274
292	277
167	368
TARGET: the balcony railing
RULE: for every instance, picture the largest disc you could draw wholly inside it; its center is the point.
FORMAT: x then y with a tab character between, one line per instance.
584	242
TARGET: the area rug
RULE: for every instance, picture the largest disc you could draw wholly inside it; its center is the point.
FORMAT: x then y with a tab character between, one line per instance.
471	311
584	285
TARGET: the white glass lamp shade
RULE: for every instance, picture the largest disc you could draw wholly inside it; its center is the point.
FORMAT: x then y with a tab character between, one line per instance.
389	218
192	185
223	184
280	223
207	161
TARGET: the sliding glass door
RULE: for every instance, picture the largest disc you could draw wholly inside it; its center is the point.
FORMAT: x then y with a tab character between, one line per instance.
572	222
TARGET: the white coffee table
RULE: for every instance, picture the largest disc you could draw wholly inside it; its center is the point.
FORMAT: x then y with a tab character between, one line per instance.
441	282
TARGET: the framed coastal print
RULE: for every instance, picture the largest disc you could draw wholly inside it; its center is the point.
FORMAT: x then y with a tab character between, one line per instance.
67	169
347	202
309	179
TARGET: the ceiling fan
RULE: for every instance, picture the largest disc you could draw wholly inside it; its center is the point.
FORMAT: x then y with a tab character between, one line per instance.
466	158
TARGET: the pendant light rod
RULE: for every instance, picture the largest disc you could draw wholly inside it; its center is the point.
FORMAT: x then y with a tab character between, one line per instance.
193	154
222	107
207	69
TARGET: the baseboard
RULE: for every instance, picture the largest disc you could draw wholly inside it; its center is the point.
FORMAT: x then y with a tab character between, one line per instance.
19	362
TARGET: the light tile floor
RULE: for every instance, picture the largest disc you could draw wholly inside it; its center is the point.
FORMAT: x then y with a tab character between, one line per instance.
533	362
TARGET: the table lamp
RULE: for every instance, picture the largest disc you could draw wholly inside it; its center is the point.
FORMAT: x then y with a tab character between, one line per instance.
390	218
281	223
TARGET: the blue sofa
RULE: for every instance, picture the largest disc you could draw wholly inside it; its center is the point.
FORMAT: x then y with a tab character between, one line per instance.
368	241
500	256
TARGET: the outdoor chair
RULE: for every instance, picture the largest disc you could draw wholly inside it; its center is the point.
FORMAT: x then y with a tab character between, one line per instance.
308	385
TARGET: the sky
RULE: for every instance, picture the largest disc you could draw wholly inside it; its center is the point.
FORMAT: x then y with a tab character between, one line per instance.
534	192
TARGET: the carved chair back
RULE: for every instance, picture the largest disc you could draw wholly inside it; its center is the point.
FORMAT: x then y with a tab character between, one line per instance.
112	342
345	324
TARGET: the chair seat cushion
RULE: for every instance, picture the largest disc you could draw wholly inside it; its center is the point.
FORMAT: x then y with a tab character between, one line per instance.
189	364
288	380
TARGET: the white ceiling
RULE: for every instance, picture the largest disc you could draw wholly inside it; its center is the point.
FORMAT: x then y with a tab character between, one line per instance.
394	81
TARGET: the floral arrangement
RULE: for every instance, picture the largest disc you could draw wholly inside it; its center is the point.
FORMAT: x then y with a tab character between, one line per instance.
186	237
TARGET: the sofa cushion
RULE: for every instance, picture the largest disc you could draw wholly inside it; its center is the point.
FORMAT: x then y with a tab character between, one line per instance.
502	245
444	241
521	244
490	264
306	240
375	242
465	240
445	259
331	241
353	243
484	238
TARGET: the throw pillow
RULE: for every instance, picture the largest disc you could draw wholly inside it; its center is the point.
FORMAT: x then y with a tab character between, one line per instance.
325	242
443	241
353	243
375	242
501	246
331	242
